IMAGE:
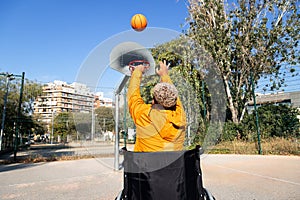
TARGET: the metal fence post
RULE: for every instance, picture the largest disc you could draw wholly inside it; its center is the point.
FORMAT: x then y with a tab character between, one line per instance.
256	115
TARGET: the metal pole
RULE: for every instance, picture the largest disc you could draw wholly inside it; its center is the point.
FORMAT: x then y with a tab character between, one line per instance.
118	91
18	117
93	123
256	115
124	118
4	109
116	164
52	127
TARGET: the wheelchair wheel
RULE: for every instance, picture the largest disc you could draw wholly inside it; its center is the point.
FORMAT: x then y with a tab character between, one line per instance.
119	196
208	195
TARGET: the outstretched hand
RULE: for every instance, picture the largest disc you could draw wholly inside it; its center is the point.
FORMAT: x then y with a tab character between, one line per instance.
163	68
141	68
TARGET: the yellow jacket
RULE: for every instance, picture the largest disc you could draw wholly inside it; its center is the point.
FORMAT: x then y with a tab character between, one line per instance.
157	129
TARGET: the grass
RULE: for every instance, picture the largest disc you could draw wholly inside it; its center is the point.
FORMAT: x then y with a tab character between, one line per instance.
271	146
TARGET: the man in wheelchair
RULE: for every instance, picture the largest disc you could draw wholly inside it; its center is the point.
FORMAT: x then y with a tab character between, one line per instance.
160	126
159	169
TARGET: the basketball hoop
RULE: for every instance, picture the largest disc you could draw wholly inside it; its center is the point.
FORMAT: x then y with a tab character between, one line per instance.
135	63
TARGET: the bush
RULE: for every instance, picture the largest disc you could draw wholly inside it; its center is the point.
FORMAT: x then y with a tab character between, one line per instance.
243	131
274	121
231	131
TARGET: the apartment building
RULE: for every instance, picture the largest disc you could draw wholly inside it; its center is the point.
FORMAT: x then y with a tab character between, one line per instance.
62	97
287	98
101	101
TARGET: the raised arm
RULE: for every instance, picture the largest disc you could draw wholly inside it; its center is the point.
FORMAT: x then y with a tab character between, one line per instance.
135	101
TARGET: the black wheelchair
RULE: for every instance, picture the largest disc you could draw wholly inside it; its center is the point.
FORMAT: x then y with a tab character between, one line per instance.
174	175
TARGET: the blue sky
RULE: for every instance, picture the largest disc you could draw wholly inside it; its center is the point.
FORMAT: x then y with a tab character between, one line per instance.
50	39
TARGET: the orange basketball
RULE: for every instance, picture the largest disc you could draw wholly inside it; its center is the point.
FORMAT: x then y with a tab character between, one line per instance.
138	22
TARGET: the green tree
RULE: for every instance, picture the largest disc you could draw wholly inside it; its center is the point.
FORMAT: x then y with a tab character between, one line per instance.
64	125
39	127
28	123
246	38
31	91
105	118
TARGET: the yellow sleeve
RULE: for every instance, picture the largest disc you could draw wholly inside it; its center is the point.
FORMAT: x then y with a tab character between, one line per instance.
166	79
136	103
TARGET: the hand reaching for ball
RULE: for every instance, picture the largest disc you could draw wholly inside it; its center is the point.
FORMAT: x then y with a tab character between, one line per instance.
141	68
163	68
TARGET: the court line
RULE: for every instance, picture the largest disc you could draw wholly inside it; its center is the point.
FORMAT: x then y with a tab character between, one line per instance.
259	175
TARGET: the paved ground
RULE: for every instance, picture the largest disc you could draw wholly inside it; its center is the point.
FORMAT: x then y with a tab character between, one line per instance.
88	149
252	176
227	177
87	179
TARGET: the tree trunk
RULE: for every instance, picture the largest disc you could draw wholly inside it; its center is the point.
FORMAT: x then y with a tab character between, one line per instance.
243	112
232	109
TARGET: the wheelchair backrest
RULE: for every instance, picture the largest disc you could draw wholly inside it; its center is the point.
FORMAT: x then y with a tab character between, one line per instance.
162	175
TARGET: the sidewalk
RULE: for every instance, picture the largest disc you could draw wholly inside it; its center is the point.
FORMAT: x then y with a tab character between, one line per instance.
52	152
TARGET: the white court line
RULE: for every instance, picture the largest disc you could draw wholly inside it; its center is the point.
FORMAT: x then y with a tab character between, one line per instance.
259	175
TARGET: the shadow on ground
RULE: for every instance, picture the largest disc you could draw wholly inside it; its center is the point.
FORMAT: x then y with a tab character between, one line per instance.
36	153
53	152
